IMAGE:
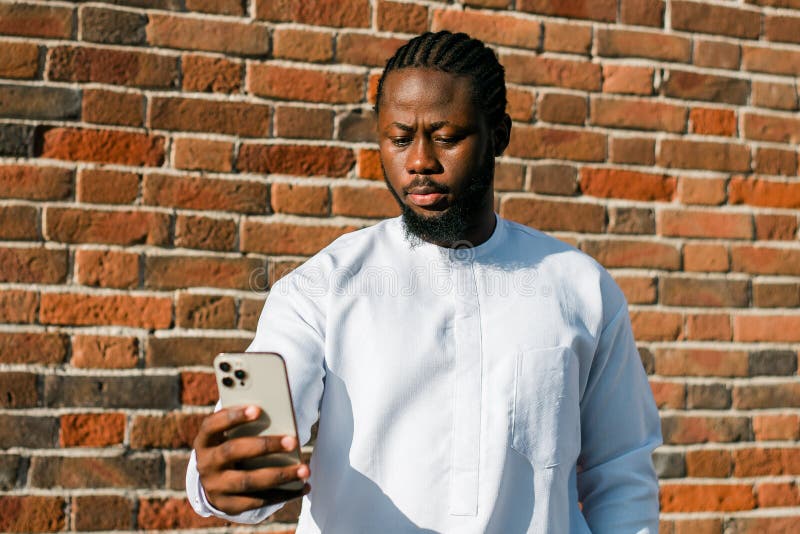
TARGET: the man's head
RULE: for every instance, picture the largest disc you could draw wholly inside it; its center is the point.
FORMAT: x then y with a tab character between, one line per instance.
441	122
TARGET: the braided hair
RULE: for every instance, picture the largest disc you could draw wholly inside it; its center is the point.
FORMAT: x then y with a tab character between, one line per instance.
459	54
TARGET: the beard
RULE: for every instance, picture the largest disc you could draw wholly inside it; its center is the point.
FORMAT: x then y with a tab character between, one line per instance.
452	225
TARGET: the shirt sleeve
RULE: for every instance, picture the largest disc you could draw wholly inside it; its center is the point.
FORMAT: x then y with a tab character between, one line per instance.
291	324
620	428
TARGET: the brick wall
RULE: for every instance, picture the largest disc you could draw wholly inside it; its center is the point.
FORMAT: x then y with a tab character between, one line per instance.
161	162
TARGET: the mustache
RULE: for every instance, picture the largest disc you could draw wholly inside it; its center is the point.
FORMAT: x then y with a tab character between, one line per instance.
426	182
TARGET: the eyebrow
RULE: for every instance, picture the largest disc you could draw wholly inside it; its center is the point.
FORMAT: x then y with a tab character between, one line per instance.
434	125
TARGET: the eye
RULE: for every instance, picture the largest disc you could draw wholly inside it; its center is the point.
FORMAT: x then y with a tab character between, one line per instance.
400	141
445	140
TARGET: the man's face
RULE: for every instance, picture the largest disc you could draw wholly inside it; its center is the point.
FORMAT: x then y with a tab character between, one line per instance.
437	155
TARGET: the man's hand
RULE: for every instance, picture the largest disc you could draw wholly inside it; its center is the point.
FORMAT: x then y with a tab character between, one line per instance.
233	490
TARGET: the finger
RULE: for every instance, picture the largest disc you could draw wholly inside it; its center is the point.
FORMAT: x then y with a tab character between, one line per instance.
212	427
236	504
238	481
236	449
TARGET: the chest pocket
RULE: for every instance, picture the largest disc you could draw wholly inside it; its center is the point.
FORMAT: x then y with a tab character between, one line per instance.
546	416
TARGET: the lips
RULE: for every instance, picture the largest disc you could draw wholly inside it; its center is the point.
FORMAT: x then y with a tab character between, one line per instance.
425	196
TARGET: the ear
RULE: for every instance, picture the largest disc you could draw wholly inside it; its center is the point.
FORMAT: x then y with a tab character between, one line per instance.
501	134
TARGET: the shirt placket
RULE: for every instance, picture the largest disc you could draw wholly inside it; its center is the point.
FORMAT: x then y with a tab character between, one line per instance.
467	398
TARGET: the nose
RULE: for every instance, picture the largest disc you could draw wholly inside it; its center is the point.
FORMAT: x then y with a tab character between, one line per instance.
422	157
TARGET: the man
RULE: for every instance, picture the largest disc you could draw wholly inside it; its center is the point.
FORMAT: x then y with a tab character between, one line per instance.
469	374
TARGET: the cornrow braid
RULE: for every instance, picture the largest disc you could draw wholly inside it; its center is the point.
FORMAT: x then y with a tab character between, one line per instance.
459	54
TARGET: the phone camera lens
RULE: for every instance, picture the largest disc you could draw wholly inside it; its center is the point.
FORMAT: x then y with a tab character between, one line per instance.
227	382
240	374
225	367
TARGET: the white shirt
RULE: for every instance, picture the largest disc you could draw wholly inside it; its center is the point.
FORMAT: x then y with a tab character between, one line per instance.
487	389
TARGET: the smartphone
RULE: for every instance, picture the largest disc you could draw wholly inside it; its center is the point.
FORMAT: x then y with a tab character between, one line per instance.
259	378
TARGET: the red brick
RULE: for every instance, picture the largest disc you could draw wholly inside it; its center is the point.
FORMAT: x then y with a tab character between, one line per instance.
683	154
18	306
539	70
101	186
758	192
205	311
776	328
633	150
776	427
601	10
627	220
107	268
208	233
705	258
638	254
121	310
196	115
198	388
696	86
774	95
766	395
769	461
340	13
32	348
303	123
617	183
227	37
543	143
765	260
298	160
552	215
642	12
782	28
19	223
708	18
112	66
624	79
637	289
18	60
18	390
287	238
569	38
686	429
496	28
520	104
33	265
776	227
204	193
250	309
707	121
713	463
783	494
776	161
553	179
638	114
172	272
189	351
701	362
73	472
35	183
668	395
403	18
363	49
656	326
708	327
101	512
172	513
359	201
291	83
33	20
685	291
92	429
368	164
691	223
303	45
719	54
561	108
171	431
652	45
125	148
705	191
771	60
71	225
301	199
772	128
508	176
31	513
202	154
372	87
211	74
104	352
112	107
111	26
691	526
776	294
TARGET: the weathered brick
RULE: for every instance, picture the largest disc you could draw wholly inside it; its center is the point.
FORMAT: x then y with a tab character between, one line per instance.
112	107
18	390
642	12
776	294
686	429
704	191
18	306
107	268
172	272
669	395
208	233
333	87
489	27
766	461
708	396
125	148
553	215
693	223
111	26
656	326
773	362
708	18
695	86
177	463
771	60
35	183
18	60
540	70
32	513
34	20
652	45
569	38
96	472
303	44
31	431
221	7
250	309
637	289
71	225
777	328
776	227
202	154
118	67
759	192
102	186
711	463
299	160
33	265
519	104
46	103
196	115
402	17
635	254
702	257
33	348
541	143
772	128
9	469
701	362
121	310
774	95
359	201
205	311
625	79
685	291
775	161
626	220
16	140
770	395
301	199
157	392
561	108
368	164
198	388
765	260
172	513
708	121
553	179
171	431
303	123
776	427
719	54
364	49
104	352
617	183
782	494
638	114
683	154
204	193
708	327
782	28
101	512
358	126
225	36
183	351
632	150
287	238
342	13
600	10
211	74
92	429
